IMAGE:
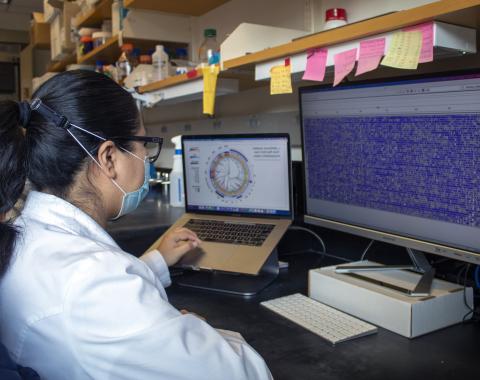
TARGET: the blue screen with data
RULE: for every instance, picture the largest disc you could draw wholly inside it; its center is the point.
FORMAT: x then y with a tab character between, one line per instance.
398	157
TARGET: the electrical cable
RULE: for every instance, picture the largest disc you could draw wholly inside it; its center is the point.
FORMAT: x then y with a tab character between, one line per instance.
471	309
477	276
366	250
298	228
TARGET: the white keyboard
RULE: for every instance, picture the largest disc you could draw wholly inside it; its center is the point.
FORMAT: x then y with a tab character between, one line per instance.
325	321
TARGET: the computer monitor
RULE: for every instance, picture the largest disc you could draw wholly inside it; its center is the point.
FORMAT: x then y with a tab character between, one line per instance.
397	161
238	174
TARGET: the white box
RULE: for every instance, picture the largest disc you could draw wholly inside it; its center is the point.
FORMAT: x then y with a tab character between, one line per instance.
388	308
249	38
157	26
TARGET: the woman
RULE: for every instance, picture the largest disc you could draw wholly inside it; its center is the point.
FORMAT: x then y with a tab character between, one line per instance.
73	305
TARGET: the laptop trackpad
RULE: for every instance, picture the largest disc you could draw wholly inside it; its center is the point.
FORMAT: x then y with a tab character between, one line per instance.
208	256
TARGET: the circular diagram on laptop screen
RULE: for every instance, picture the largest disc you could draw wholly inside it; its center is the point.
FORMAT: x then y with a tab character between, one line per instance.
230	174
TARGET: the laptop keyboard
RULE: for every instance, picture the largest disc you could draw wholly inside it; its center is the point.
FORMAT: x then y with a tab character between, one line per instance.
231	233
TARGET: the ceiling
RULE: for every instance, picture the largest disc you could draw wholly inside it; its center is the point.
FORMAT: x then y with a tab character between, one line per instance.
17	14
22	6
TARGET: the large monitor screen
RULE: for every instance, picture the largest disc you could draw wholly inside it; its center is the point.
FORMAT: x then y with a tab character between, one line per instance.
238	174
399	157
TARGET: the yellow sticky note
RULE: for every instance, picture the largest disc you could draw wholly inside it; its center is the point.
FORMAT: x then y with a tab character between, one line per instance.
404	50
280	80
210	75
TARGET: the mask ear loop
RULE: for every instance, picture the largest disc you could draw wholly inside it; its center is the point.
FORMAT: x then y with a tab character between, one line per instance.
91	156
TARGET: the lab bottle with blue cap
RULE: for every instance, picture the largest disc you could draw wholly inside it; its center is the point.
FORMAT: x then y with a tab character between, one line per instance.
177	192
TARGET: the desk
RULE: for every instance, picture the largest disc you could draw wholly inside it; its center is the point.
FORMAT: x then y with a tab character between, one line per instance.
292	352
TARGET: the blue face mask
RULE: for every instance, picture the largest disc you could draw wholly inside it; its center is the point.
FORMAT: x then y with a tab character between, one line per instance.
131	200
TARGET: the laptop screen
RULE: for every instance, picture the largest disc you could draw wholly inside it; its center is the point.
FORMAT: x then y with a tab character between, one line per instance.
240	174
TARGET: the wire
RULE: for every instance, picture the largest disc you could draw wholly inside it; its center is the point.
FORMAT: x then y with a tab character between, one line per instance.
366	250
477	276
472	311
298	228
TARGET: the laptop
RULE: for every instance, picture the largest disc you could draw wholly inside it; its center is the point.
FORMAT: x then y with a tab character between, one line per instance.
238	199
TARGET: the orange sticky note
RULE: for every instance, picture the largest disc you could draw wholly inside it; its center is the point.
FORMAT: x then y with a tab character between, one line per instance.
344	63
210	75
280	80
371	52
316	64
404	50
426	53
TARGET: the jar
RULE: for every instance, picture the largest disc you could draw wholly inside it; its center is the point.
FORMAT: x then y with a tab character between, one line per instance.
334	18
99	38
86	45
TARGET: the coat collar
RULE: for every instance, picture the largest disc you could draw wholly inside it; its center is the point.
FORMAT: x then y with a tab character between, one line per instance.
62	215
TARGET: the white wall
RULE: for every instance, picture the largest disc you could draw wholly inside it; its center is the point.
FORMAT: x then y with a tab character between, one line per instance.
282	122
255	110
283	13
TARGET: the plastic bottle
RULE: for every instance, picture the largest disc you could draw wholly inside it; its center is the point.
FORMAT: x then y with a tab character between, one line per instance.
177	192
160	63
209	51
124	63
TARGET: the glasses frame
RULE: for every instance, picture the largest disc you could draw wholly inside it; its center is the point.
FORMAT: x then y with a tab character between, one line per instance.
144	139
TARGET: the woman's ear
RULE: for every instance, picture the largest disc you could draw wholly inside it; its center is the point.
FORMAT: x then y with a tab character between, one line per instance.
107	157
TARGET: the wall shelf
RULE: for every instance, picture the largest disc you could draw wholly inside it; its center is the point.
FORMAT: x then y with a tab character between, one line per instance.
59	66
448	41
460	12
189	7
171	81
110	50
95	16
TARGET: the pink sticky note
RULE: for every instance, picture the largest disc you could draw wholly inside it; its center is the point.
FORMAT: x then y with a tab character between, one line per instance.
316	63
426	54
344	63
371	52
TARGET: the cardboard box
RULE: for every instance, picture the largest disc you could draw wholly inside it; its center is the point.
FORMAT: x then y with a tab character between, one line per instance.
39	32
388	308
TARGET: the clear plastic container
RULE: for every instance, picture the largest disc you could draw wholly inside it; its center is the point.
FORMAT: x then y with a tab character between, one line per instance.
160	63
209	51
99	38
124	63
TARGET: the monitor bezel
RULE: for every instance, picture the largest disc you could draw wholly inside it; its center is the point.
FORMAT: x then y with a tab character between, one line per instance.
289	216
377	234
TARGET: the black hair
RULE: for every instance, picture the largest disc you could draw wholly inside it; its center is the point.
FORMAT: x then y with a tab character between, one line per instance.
48	155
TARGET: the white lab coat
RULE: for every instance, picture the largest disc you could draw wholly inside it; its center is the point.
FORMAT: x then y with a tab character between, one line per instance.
73	305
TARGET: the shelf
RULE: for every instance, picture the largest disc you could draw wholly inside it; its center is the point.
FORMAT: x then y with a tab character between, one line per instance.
245	80
184	88
461	12
190	7
61	65
171	81
95	16
448	41
110	51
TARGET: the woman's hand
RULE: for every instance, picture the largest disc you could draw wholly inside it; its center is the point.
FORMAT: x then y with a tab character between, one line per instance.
176	243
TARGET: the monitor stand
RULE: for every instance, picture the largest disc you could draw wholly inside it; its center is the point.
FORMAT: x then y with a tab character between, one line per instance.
420	265
232	283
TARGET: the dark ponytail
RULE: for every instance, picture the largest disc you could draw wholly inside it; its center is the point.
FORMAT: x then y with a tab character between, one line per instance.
12	175
48	155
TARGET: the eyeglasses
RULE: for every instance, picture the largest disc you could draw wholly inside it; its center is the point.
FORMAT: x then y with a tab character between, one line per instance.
152	144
